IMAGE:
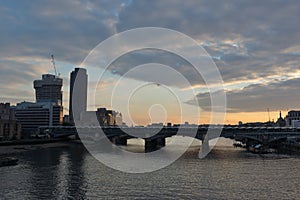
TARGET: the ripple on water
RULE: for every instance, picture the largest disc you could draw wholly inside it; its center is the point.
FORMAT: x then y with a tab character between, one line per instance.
226	173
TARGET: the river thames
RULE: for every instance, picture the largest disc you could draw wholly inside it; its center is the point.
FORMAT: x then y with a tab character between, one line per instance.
70	172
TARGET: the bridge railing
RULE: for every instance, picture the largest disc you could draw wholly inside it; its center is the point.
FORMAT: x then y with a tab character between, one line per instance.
169	131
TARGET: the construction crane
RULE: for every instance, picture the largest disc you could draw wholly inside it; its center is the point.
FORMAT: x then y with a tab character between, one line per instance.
53	63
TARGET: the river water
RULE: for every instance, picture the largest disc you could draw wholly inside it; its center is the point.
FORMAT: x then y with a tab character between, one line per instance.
70	172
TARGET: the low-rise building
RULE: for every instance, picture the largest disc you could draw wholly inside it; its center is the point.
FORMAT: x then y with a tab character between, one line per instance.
9	127
292	116
109	117
102	117
33	115
295	123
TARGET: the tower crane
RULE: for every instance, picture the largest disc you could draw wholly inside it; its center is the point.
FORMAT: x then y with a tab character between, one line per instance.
53	63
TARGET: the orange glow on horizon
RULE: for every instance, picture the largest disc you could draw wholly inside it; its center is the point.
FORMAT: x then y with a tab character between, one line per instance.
231	118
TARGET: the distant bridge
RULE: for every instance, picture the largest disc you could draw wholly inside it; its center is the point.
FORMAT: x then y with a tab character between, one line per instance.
155	137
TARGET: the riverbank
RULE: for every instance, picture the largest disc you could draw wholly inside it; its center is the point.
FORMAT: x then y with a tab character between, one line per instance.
17	148
33	141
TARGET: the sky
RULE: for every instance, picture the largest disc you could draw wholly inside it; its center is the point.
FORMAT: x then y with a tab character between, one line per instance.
254	44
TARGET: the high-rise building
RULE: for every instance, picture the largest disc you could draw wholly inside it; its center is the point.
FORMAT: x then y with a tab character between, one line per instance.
47	110
48	89
78	97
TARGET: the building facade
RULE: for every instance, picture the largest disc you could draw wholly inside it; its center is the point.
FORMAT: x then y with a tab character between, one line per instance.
102	117
78	98
33	115
292	117
109	117
9	127
47	110
48	89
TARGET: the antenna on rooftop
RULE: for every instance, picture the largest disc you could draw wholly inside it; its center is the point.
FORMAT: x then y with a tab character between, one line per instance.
53	63
269	114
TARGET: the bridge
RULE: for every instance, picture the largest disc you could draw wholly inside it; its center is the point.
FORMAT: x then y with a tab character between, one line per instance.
155	137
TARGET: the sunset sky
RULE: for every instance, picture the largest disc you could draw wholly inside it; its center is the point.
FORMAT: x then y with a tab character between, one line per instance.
254	44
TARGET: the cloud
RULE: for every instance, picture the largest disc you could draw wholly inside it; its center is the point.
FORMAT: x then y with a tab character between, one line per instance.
170	67
245	38
281	95
69	28
16	79
255	44
248	38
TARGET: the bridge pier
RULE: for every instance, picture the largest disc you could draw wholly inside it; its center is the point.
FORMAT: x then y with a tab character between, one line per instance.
161	142
154	144
205	146
119	140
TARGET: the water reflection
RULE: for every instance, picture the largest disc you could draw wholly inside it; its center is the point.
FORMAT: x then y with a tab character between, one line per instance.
76	181
43	180
55	172
227	173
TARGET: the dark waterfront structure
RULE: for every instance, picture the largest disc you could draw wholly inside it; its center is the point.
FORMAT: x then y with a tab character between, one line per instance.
266	136
33	115
9	127
80	100
47	110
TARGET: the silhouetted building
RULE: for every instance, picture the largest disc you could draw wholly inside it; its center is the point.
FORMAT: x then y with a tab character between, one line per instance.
47	111
259	124
293	115
78	98
9	127
280	121
102	116
109	117
48	89
156	125
33	115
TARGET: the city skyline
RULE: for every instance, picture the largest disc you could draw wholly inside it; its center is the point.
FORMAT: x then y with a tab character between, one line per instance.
259	66
266	115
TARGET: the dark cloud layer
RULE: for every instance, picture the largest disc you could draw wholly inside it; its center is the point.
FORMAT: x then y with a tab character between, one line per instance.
259	97
247	37
126	62
249	40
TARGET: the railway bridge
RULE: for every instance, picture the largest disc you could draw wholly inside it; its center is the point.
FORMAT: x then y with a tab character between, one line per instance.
155	137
